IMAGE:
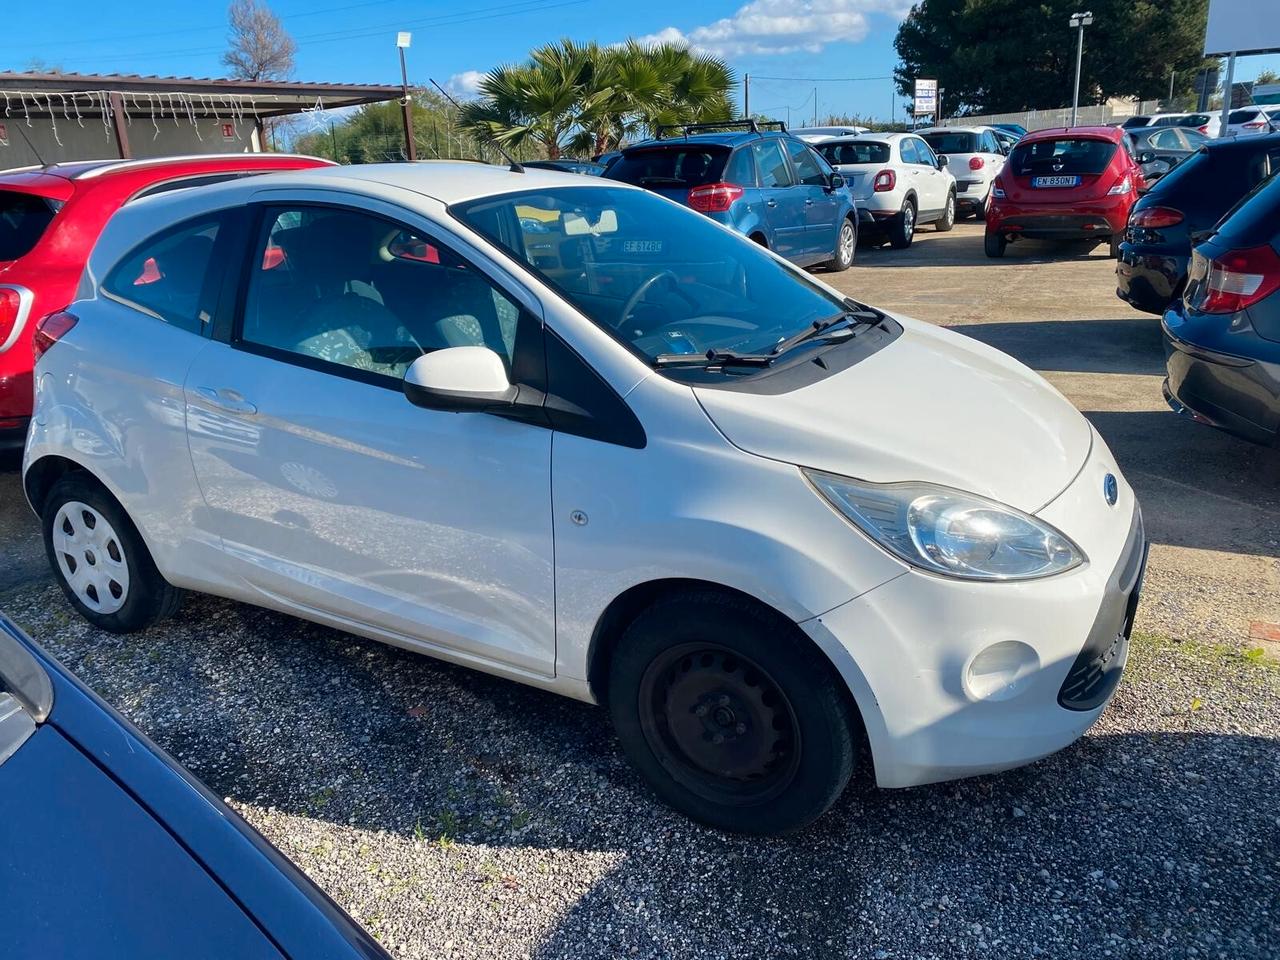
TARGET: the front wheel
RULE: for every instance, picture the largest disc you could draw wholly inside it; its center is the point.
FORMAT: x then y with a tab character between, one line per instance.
948	216
846	242
994	244
902	229
100	559
733	717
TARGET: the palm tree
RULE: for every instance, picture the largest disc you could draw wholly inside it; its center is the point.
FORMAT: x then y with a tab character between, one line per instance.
588	98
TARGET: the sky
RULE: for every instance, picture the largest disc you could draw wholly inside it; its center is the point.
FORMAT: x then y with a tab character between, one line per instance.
837	52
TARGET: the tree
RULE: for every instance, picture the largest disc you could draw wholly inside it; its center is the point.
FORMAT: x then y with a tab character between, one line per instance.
998	56
588	99
1268	76
260	49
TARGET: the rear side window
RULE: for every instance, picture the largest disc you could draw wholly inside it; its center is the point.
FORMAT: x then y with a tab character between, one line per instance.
1166	140
741	169
808	170
909	152
863	151
1070	155
953	142
772	164
23	221
681	166
166	275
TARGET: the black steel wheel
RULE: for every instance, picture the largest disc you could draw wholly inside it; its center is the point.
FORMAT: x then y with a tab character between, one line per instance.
731	714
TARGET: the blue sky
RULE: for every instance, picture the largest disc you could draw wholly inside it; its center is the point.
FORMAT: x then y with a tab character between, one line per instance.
455	41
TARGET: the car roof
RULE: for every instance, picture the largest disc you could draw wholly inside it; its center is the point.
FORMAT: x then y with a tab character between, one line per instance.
76	170
973	129
863	138
1114	134
728	138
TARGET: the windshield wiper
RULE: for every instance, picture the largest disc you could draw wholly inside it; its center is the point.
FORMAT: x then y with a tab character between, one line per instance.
713	358
825	325
663	181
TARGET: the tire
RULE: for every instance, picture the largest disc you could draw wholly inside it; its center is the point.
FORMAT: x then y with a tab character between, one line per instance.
761	239
948	216
100	560
724	667
1114	247
902	229
994	244
846	242
980	211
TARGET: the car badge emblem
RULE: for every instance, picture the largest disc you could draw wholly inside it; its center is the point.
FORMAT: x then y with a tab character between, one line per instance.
1057	165
1110	489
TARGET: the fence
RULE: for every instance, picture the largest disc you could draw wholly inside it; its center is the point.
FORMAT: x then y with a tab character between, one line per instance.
1042	119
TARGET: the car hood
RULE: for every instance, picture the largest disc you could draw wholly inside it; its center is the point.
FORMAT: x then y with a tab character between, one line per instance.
934	406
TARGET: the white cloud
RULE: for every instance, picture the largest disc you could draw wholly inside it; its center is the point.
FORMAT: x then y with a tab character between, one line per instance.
465	85
783	26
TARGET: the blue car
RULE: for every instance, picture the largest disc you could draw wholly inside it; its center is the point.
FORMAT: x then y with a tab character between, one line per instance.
764	183
108	848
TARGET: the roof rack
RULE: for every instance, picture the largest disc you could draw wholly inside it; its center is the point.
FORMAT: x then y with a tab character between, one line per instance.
753	125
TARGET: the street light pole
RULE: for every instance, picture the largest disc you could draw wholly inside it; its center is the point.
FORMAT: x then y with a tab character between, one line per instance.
1078	21
403	39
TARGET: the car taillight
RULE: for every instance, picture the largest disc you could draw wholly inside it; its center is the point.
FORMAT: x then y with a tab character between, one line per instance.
1238	279
1121	188
1254	125
714	197
976	163
50	330
1204	129
885	180
10	304
1153	218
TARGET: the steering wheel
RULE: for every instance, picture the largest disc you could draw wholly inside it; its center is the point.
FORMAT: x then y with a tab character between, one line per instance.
634	300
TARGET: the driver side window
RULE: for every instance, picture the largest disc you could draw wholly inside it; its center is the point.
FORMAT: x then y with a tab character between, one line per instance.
338	288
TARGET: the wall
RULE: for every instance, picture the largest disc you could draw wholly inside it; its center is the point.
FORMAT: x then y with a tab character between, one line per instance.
1113	112
95	141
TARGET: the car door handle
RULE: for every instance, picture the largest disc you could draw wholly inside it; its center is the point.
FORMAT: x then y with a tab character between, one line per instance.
771	202
808	201
228	400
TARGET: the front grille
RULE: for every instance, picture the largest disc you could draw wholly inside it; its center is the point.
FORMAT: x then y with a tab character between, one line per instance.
1097	669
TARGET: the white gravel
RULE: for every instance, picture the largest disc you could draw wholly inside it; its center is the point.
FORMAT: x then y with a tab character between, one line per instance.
457	815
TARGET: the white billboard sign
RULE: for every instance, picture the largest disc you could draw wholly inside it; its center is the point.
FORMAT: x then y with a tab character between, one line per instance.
1242	26
925	100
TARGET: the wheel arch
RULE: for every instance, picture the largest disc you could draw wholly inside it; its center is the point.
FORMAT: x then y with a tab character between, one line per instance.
43	473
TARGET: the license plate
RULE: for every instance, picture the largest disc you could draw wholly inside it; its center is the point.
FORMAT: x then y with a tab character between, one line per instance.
1055	181
642	246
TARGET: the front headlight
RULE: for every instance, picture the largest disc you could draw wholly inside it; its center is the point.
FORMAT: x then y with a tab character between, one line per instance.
948	531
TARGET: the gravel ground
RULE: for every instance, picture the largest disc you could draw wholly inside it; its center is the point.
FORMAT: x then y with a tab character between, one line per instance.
457	815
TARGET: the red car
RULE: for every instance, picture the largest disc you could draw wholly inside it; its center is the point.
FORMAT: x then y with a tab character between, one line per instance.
50	218
1070	183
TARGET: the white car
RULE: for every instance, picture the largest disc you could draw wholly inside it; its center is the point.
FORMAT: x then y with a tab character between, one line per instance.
898	183
815	134
1253	121
1207	123
575	434
975	158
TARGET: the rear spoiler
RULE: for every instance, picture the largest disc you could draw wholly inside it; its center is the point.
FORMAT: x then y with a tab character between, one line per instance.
753	125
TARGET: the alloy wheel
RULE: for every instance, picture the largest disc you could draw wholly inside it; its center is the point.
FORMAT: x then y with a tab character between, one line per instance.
848	240
90	557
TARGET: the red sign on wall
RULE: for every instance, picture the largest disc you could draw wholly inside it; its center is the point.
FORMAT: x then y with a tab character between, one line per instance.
228	131
4	133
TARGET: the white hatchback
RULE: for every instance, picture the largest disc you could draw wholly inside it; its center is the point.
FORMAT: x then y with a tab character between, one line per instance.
898	183
975	158
575	434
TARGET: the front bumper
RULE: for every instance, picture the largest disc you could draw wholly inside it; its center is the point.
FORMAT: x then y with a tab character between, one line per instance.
905	648
1235	394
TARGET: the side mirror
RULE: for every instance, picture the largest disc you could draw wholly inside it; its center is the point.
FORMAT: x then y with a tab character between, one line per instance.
942	161
1146	156
459	378
837	181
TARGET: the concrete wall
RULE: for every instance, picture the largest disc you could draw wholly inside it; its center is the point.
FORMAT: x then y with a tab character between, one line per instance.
95	141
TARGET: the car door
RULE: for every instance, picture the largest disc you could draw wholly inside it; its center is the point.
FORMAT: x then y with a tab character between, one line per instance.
932	185
994	156
784	207
330	491
821	205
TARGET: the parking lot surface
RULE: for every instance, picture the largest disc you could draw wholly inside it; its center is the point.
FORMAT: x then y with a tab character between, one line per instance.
458	815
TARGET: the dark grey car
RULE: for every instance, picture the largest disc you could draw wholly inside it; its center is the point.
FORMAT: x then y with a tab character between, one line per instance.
1159	149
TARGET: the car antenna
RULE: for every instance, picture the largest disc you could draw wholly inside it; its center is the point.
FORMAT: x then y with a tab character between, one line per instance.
515	164
18	127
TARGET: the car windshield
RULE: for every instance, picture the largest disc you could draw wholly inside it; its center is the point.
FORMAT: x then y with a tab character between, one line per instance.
674	166
1081	156
662	278
23	221
952	142
861	151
